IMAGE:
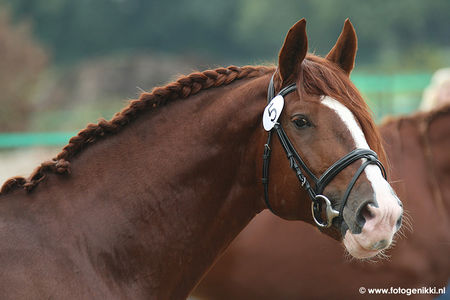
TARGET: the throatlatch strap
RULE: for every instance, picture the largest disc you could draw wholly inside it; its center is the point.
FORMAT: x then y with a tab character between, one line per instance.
265	171
267	151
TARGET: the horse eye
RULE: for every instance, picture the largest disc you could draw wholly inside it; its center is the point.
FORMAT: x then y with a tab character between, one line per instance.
301	122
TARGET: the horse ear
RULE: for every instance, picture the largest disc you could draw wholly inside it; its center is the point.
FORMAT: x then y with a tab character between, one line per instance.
344	52
293	51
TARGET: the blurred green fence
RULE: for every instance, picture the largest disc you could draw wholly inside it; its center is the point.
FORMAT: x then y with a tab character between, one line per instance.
386	94
31	139
392	94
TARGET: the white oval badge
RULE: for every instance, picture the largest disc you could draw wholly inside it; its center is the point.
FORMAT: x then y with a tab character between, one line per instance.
272	112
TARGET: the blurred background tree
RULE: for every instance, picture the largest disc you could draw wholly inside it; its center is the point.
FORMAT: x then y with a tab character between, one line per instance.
236	31
100	51
21	63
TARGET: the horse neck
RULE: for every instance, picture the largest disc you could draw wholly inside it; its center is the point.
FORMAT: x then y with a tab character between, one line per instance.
159	201
435	134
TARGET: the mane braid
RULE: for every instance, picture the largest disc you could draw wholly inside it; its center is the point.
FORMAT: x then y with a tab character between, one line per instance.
180	89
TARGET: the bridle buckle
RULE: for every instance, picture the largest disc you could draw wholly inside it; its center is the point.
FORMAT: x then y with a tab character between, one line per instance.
303	181
330	212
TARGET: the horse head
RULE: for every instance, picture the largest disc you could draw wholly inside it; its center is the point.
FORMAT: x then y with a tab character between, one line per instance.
327	132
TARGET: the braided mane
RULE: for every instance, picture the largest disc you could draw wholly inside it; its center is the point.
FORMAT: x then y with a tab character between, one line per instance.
318	76
182	88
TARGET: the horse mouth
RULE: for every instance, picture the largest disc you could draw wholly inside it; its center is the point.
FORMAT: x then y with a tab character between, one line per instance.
354	247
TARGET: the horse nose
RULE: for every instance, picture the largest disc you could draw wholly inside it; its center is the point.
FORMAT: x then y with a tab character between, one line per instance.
379	223
368	214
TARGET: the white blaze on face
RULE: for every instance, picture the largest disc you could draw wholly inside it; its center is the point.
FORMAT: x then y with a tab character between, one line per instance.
383	226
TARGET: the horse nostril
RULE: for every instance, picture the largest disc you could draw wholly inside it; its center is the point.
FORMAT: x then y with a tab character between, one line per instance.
399	223
364	215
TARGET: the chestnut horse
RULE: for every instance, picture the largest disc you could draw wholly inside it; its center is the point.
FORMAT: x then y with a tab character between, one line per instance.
263	262
140	207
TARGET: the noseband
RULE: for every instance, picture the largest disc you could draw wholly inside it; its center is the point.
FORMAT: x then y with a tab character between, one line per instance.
315	191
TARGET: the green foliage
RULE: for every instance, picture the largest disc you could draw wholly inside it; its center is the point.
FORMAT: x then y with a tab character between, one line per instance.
238	31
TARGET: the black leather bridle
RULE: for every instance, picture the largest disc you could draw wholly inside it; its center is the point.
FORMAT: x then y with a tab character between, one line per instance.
297	164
